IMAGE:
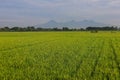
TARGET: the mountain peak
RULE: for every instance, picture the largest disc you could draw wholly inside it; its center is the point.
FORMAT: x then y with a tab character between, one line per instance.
52	21
72	21
72	24
88	21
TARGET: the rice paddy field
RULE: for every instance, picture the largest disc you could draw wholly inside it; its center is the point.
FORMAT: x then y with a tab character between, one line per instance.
59	56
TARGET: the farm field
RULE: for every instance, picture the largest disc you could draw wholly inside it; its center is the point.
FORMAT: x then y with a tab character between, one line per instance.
59	56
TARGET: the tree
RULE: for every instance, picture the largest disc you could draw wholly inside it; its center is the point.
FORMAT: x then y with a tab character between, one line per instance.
65	29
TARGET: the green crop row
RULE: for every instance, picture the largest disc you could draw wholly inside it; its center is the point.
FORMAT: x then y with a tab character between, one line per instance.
59	56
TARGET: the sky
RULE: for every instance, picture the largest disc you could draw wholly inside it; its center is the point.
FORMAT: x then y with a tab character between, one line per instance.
33	12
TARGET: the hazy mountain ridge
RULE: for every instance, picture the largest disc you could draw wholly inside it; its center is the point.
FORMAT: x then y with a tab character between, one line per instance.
72	24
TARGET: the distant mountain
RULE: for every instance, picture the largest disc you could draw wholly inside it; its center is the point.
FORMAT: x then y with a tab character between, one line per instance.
72	24
49	24
86	23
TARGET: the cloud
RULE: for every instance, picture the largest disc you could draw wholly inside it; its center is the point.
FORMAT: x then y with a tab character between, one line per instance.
29	12
44	3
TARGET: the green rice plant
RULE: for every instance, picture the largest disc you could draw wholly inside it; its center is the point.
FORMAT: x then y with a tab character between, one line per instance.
59	56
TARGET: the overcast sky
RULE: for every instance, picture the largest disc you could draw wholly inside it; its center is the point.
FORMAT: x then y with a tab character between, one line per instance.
32	12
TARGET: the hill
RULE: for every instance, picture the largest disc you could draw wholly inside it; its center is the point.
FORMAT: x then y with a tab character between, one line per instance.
71	24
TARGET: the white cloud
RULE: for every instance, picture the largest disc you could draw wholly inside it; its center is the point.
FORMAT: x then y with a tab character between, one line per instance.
114	3
43	3
39	11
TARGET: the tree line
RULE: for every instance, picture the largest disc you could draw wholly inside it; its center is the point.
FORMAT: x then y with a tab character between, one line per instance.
32	28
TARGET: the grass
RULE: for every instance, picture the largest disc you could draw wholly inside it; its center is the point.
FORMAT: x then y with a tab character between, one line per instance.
59	56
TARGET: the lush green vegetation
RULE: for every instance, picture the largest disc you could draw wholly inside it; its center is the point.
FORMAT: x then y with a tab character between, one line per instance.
59	56
32	28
